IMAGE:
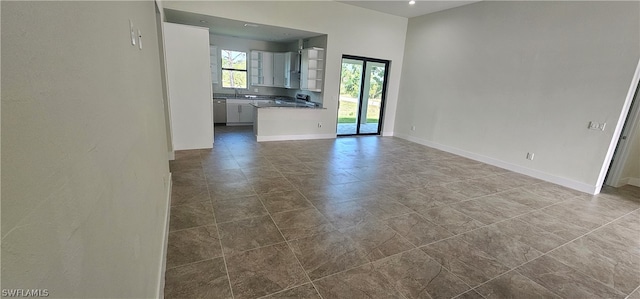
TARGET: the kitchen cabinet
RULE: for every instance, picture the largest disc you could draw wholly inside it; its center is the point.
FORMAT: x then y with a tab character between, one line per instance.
274	69
261	68
312	69
291	70
278	69
239	112
213	63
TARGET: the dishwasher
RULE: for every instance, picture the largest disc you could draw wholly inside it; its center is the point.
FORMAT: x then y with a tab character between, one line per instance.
219	111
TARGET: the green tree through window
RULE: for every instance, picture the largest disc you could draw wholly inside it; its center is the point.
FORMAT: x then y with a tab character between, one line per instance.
234	69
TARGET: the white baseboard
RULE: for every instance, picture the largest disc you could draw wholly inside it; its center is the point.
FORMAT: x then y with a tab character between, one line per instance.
295	137
628	181
502	164
387	134
172	155
165	243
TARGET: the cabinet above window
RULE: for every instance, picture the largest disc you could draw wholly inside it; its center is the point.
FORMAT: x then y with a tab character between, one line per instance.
274	69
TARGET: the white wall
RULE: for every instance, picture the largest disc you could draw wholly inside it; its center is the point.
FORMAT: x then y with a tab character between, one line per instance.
495	80
85	172
189	79
351	30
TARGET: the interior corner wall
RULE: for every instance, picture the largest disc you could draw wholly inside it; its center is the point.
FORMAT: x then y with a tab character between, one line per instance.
85	173
496	80
631	172
350	30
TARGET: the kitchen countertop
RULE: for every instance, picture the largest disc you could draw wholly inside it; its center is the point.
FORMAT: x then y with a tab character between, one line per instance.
287	105
250	97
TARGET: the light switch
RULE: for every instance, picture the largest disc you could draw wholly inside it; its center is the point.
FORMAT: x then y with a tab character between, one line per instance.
133	34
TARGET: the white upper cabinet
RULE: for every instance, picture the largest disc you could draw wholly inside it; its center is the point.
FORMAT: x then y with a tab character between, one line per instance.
213	54
278	69
312	69
291	70
261	68
274	69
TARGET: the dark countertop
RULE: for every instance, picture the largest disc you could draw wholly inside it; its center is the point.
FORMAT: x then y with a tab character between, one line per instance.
290	105
251	97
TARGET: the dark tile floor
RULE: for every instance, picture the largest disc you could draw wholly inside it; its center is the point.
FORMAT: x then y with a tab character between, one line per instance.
380	217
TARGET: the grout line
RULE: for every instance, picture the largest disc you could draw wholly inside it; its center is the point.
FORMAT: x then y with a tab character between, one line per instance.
194	262
291	249
635	290
571	241
284	290
194	227
449	205
224	258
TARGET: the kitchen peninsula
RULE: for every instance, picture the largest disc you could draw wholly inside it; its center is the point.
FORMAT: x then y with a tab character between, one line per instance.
276	117
288	119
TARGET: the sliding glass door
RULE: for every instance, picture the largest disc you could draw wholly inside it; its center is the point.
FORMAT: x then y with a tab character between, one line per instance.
362	94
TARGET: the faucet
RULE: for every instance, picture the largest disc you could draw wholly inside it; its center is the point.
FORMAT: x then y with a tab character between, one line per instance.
235	92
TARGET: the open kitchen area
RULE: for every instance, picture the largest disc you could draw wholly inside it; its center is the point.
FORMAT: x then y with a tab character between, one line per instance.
265	77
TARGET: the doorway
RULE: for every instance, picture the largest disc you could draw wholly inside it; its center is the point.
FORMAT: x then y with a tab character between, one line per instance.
622	170
363	88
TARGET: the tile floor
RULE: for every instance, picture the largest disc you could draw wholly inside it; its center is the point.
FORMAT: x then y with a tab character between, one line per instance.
374	217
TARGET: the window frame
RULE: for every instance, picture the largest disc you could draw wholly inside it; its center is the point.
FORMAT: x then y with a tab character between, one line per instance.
246	70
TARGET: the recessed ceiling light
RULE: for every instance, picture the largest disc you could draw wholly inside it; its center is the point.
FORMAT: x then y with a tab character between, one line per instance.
203	21
412	2
251	25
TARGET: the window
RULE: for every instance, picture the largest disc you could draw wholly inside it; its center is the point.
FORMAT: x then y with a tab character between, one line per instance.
234	69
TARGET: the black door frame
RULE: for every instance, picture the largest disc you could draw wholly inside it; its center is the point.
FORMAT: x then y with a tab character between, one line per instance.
384	91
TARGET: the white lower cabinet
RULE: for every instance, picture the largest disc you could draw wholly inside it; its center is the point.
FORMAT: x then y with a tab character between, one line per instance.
239	112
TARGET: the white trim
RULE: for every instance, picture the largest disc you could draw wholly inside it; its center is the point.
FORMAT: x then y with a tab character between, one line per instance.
506	165
295	137
628	181
165	243
172	155
387	134
617	166
620	182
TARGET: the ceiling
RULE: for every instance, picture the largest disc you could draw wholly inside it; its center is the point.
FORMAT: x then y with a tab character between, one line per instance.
403	9
236	28
241	29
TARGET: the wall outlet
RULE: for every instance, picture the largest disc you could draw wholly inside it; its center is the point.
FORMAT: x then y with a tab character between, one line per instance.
413	128
319	125
255	89
530	156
